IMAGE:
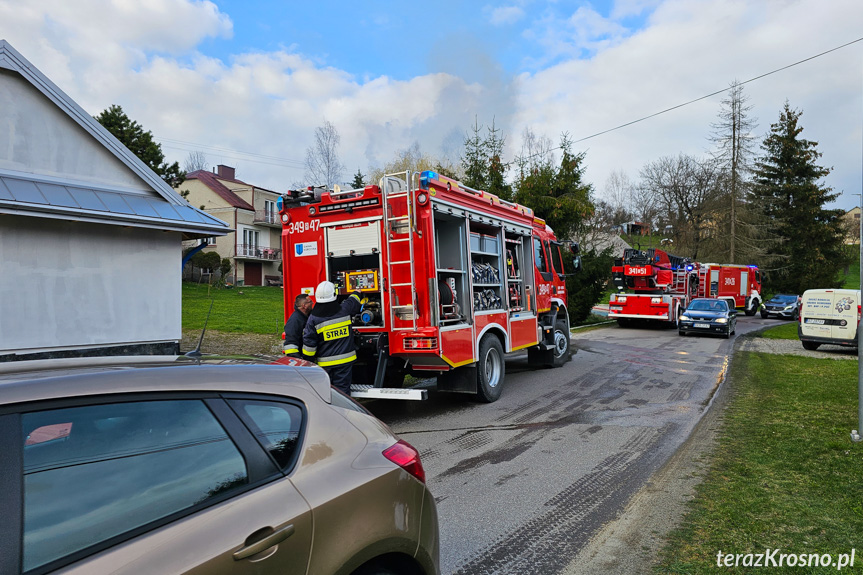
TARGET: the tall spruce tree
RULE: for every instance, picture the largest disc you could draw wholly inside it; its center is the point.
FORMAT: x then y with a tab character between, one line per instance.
359	180
786	186
482	163
132	135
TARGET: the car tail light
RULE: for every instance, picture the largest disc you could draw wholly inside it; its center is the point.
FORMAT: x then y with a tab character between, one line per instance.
405	456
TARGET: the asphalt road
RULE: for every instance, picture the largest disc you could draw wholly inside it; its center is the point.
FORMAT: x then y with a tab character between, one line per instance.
524	483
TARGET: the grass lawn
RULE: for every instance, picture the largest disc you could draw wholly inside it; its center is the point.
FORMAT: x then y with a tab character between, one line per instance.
785	474
784	331
236	310
851	280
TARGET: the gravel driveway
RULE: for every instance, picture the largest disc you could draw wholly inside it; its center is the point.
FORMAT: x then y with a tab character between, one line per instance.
794	347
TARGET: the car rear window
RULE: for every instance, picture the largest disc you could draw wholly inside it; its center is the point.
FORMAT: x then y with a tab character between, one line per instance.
95	472
275	424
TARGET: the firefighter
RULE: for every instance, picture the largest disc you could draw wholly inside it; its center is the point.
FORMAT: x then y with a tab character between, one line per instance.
296	324
329	337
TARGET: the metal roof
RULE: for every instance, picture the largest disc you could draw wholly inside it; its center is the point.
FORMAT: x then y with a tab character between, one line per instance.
39	195
22	194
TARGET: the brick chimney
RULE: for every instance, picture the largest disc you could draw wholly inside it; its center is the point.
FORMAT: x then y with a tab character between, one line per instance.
225	172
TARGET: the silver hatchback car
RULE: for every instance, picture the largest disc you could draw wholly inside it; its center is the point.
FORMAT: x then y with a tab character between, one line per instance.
170	465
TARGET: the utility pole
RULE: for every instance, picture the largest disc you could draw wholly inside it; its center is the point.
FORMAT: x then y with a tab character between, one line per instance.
855	436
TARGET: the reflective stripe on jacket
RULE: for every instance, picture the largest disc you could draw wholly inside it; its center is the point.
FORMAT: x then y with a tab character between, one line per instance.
294	333
331	339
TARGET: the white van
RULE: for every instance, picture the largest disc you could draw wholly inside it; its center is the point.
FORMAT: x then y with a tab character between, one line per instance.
829	316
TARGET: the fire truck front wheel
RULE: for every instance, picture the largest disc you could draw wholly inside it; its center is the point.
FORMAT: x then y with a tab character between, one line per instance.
490	369
562	346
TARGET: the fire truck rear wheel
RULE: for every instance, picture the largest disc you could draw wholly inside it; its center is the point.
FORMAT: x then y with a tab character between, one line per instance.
753	308
562	345
490	369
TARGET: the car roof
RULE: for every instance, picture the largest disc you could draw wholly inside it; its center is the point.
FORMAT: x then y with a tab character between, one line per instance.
36	380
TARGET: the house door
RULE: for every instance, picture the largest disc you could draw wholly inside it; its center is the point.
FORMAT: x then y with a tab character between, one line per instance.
252	274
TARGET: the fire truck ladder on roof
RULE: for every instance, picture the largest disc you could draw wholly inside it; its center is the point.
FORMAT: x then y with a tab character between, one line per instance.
400	273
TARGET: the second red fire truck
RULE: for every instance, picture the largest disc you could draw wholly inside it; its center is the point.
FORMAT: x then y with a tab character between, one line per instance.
453	278
655	285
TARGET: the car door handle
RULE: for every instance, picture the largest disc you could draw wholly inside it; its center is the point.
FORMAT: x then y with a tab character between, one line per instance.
269	541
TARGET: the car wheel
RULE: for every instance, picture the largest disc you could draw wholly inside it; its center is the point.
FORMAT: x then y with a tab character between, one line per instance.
681	333
764	315
728	333
796	315
810	345
562	345
490	370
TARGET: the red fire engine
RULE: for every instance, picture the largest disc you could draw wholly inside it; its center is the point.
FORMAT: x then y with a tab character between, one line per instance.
655	285
454	278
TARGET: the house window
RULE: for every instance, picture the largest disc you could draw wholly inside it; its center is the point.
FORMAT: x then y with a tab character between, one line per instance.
251	243
251	237
270	211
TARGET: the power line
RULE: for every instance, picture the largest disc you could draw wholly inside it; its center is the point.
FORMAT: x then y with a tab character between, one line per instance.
289	162
250	156
715	93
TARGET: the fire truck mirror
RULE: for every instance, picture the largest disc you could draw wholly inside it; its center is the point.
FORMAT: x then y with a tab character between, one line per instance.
576	263
573	247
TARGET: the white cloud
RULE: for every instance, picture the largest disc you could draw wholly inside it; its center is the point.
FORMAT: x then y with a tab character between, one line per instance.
143	57
506	15
692	48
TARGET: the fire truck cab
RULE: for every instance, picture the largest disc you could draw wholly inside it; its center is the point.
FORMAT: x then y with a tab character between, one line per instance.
656	286
739	285
452	278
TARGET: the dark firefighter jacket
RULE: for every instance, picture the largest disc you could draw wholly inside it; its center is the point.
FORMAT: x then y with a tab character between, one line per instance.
294	333
328	335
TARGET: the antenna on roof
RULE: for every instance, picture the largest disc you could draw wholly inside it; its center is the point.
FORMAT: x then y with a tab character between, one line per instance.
195	353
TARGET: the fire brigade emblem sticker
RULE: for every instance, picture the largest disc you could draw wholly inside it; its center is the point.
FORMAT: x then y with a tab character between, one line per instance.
306	249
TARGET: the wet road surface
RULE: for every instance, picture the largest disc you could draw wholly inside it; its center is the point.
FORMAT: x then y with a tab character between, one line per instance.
522	484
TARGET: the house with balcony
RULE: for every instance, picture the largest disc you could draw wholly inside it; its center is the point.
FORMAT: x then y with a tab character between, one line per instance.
254	245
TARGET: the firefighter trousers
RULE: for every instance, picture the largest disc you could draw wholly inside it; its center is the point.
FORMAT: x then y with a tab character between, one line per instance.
340	376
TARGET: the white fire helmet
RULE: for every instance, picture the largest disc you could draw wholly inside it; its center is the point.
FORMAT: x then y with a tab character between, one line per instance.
325	292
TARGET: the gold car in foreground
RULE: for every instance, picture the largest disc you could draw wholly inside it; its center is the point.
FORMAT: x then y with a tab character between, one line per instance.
169	465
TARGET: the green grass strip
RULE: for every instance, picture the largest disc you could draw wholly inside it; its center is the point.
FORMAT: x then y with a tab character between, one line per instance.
236	310
785	474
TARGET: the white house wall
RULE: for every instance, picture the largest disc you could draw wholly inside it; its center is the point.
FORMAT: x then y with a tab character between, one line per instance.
37	137
67	285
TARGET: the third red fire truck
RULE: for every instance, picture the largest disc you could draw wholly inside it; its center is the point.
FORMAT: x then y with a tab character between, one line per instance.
655	285
453	279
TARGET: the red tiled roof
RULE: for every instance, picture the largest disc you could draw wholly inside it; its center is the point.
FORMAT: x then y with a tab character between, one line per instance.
210	180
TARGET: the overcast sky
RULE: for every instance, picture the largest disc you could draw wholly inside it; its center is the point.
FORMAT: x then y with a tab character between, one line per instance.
248	81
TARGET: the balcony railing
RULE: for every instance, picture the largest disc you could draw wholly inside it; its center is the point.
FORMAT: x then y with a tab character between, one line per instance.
267	217
258	252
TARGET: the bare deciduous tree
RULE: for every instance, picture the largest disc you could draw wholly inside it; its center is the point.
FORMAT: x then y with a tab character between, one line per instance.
414	159
619	196
195	161
686	190
323	166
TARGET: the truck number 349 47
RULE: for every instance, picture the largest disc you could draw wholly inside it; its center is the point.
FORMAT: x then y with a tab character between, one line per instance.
301	226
